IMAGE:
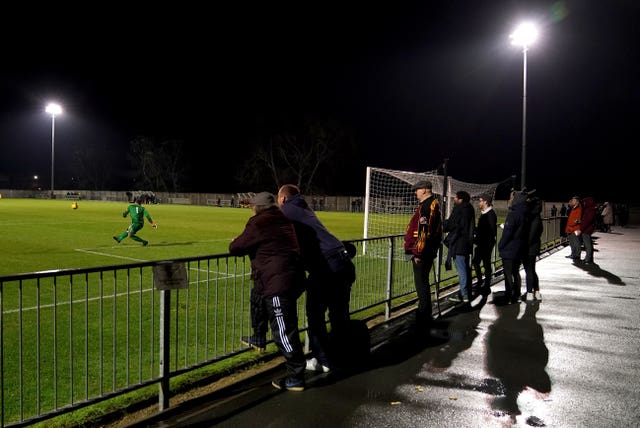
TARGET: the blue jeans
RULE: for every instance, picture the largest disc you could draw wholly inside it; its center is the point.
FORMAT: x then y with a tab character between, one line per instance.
463	266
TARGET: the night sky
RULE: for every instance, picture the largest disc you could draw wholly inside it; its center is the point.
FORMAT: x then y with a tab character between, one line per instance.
416	82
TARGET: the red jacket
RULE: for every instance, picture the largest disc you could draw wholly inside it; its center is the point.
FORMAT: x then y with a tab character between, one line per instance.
575	217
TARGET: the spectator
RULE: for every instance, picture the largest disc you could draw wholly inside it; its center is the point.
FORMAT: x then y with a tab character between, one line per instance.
607	216
623	216
511	245
421	244
269	239
532	249
563	219
462	224
331	274
138	214
587	227
554	210
485	241
572	229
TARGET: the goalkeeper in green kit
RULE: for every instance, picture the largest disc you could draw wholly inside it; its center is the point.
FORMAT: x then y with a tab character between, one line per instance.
137	213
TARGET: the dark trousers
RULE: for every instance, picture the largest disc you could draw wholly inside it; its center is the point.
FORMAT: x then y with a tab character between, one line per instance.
421	271
328	291
531	277
482	259
588	247
259	316
283	318
512	279
575	242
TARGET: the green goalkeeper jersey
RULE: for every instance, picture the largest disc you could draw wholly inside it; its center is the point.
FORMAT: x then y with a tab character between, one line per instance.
138	213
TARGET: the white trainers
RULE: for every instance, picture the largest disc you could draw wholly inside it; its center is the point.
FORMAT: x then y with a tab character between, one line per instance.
529	297
314	366
537	295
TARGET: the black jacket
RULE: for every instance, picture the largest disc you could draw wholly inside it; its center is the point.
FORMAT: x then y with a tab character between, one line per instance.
534	227
514	236
486	231
461	227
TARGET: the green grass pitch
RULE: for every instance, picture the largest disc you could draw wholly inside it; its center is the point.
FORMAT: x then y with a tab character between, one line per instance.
40	235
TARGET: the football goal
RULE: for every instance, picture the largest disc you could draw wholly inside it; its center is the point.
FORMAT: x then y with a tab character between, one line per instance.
390	202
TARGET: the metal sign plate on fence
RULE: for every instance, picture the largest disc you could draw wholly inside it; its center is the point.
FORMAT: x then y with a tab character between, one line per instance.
170	276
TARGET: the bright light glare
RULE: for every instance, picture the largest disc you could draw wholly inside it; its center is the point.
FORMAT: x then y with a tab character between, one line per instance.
53	109
525	35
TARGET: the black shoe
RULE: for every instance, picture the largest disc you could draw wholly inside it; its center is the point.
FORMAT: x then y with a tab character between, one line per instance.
459	299
115	238
145	243
570	256
289	384
255	342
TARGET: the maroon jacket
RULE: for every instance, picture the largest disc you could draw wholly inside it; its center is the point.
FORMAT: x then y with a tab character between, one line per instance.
424	231
269	239
588	222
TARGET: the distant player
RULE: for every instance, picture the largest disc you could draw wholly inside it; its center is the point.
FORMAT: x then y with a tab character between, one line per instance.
138	213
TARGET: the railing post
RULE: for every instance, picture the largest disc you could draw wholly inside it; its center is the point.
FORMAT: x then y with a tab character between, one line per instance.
387	309
165	337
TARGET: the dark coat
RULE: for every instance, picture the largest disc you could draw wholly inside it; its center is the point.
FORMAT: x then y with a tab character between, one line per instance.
269	239
588	221
534	227
461	228
514	235
321	250
486	231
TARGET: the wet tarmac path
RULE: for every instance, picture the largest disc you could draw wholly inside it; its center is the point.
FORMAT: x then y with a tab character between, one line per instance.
571	360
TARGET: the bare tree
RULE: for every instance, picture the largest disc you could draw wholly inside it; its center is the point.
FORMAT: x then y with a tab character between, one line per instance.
93	166
159	163
296	154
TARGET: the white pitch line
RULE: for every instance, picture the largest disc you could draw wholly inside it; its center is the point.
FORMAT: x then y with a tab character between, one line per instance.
91	299
97	253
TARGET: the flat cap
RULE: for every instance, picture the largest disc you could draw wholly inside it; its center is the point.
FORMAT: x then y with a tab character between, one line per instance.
422	184
262	198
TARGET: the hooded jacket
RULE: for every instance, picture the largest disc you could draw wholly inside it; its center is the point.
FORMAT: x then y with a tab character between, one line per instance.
588	221
514	236
535	226
320	248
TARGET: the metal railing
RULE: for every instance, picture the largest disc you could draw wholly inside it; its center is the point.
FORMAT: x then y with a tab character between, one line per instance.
72	338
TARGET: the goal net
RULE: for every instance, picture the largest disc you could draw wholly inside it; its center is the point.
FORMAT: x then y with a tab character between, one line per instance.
390	202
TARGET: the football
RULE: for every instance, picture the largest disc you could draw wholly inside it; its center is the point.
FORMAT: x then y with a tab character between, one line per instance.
74	205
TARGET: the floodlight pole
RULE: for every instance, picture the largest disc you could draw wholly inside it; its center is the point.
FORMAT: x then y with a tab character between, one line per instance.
523	168
53	109
524	35
53	139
